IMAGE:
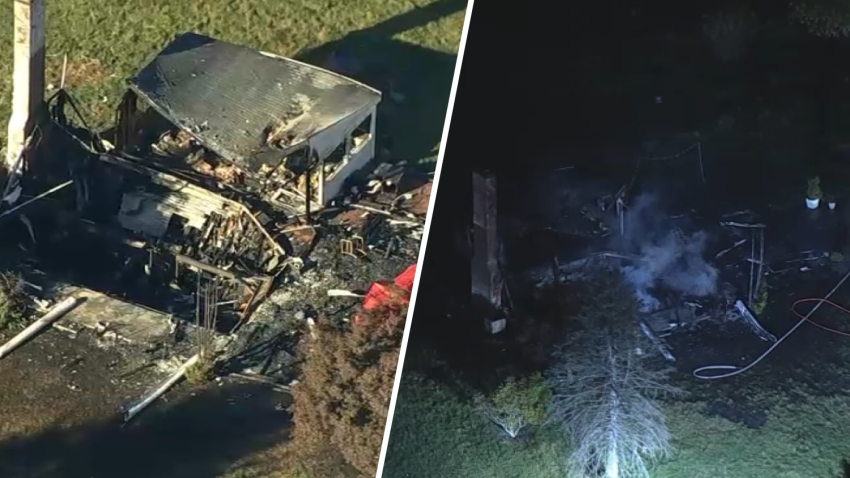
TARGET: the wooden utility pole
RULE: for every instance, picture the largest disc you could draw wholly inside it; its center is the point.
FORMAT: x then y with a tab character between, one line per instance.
28	76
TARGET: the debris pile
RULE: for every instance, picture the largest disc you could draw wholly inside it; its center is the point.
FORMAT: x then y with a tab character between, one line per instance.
194	195
686	270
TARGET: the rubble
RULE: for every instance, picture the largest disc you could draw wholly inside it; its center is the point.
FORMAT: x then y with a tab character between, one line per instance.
188	199
688	271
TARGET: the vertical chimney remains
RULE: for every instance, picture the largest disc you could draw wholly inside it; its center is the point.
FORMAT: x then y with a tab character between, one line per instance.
28	76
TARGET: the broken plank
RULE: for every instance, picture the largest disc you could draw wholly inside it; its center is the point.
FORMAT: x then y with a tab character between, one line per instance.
743	225
372	209
752	322
260	379
729	249
657	342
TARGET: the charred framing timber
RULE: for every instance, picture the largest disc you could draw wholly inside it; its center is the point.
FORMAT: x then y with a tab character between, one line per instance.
234	276
127	119
258	287
729	249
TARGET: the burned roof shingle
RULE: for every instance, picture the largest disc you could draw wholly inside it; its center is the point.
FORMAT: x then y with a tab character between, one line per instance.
234	98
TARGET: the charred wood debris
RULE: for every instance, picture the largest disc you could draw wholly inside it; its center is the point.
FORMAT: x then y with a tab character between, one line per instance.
735	249
191	216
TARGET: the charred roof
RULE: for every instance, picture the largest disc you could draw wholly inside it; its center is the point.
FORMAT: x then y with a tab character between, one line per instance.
238	101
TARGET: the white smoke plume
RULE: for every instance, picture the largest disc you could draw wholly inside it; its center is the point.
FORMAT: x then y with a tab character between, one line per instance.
669	257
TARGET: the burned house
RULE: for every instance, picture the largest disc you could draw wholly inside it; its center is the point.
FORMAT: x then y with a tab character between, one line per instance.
216	150
236	119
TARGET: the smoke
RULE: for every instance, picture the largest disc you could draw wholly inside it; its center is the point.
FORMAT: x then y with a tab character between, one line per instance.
669	258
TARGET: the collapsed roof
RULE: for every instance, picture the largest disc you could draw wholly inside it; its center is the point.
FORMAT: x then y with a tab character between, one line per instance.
238	101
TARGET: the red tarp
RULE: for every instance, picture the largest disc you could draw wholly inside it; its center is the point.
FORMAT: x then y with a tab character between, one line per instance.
406	278
384	292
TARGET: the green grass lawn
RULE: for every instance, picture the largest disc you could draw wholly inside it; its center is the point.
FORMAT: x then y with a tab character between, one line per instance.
435	433
413	43
806	439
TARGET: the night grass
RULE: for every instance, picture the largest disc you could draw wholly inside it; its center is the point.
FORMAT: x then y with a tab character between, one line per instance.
107	41
805	439
436	434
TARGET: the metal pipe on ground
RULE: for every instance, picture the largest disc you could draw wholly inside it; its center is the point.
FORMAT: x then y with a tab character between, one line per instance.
47	319
160	391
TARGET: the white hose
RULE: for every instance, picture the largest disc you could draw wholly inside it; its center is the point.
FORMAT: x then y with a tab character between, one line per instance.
735	370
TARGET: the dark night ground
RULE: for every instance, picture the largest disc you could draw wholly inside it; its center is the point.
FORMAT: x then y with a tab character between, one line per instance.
765	123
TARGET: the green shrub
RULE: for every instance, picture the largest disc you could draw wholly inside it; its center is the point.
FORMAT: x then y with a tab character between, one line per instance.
814	191
201	372
729	32
516	404
761	298
14	304
825	18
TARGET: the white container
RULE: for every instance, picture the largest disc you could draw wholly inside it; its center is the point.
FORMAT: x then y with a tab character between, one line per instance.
831	205
812	203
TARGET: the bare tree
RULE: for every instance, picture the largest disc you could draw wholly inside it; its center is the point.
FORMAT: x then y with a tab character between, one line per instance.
604	393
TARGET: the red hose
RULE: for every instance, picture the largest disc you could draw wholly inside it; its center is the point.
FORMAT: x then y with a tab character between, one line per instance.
820	326
710	372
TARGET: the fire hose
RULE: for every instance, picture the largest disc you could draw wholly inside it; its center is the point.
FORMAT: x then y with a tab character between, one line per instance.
714	372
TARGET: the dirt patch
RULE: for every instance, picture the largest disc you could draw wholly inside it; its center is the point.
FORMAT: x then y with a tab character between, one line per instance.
78	72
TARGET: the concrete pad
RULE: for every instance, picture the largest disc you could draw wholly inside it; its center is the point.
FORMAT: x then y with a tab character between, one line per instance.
130	322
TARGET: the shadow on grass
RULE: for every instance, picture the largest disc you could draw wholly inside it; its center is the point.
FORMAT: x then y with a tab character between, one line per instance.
415	81
845	468
197	436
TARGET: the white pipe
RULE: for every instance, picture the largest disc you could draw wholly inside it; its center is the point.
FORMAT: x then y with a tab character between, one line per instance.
343	293
47	319
178	375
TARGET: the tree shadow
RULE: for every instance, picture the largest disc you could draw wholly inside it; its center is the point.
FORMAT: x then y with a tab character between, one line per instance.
201	436
845	469
415	81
